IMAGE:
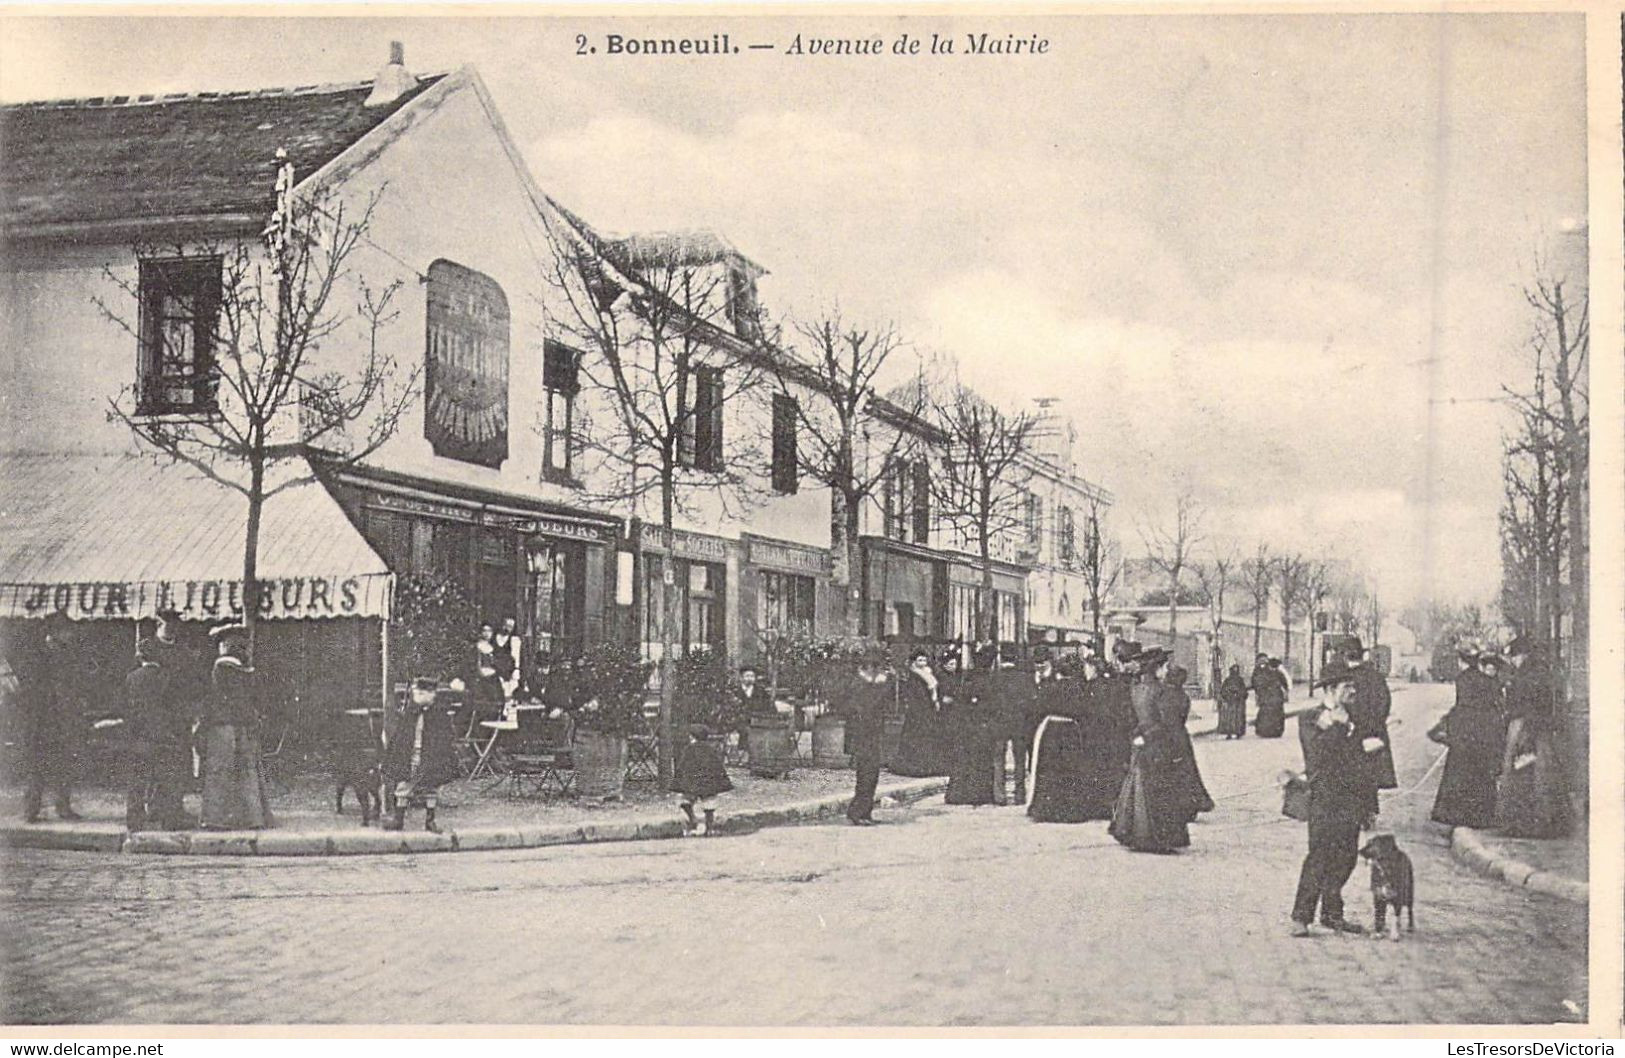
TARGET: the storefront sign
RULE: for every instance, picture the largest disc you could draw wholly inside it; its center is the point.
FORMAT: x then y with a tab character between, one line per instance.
411	505
466	384
530	525
548	527
686	545
291	598
789	558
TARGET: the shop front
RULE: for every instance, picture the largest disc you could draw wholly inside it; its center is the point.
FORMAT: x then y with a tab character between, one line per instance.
1009	619
108	541
702	584
548	568
785	590
905	591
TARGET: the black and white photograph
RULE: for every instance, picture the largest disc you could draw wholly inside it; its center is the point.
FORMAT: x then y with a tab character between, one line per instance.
911	518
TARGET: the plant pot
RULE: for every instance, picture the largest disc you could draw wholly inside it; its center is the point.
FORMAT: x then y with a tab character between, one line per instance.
829	742
772	747
600	764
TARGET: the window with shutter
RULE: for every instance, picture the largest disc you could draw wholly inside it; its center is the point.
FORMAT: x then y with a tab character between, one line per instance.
785	477
560	385
180	308
704	452
922	502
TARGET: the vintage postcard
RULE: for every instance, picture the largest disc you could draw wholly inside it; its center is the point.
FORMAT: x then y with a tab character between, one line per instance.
672	517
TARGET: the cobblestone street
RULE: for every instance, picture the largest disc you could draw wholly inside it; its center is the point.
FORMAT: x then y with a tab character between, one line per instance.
945	916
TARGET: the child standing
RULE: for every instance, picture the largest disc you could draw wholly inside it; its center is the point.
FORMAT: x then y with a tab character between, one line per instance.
700	777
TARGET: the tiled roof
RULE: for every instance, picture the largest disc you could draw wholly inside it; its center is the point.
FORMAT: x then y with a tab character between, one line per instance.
124	519
135	158
676	248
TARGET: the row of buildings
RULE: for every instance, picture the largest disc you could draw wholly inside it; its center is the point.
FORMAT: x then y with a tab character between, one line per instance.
114	215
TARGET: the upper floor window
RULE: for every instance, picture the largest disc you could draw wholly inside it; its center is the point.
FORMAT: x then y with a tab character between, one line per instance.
466	366
700	439
560	385
180	308
1067	534
742	303
907	495
1034	518
785	411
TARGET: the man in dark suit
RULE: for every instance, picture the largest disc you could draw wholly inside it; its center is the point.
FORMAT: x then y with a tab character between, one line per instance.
158	757
750	700
1369	715
868	698
1340	797
48	684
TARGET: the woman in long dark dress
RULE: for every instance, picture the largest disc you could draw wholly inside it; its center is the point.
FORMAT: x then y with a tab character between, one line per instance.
1269	686
969	727
1108	731
920	746
1474	731
1530	798
1233	704
1197	799
1150	815
234	795
1059	754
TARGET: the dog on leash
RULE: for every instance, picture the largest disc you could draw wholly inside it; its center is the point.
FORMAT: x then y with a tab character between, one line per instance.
1393	885
359	770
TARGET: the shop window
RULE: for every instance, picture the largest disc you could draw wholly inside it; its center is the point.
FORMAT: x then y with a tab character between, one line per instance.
700	438
560	386
786	603
785	471
180	308
699	588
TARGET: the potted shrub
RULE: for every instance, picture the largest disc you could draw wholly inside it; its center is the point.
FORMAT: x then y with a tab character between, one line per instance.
703	694
613	680
826	669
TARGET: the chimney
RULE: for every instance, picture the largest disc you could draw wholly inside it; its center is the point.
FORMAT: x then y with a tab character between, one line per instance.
393	81
1053	434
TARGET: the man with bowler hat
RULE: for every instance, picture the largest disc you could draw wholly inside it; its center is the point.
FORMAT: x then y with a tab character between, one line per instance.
1369	715
1340	799
158	757
868	698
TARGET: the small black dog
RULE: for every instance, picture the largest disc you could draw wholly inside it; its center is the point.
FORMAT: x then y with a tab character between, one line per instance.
1392	884
358	770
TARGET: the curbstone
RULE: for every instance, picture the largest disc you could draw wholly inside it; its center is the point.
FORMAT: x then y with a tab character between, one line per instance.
597	832
555	834
158	843
272	843
362	842
666	828
66	838
1467	846
222	843
486	838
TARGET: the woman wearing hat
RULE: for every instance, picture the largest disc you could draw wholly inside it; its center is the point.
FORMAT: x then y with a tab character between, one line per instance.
1233	704
234	795
1152	809
920	747
1269	686
1197	799
1530	799
1473	730
969	729
1060	751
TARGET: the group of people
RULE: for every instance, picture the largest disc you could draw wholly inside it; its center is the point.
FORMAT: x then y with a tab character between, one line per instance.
1104	741
1501	767
175	704
1269	684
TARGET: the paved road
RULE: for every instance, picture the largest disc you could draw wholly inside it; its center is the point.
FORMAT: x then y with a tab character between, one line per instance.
946	916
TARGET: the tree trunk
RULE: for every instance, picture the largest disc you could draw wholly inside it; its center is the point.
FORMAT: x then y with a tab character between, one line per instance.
1258	626
845	561
986	624
669	596
251	553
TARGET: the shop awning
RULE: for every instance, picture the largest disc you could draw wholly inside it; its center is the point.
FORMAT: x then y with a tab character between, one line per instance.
111	537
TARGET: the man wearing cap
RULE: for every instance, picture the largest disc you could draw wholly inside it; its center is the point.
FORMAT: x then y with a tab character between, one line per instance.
1340	796
1369	715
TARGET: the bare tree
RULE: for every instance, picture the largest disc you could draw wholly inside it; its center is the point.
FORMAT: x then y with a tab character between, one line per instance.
1172	547
1291	578
1100	560
981	486
1215	575
1318	583
841	367
654	349
236	387
1257	577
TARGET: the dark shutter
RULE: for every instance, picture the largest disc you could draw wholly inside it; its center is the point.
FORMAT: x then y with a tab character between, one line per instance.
560	368
708	418
784	443
922	502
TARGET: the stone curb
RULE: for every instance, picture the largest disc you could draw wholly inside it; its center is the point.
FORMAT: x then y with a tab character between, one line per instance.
109	837
1467	846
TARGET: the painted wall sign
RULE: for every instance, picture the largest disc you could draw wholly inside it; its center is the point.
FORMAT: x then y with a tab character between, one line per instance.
466	366
527	524
685	545
290	598
790	558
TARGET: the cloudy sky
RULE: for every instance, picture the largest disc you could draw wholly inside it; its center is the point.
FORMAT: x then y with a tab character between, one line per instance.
1275	260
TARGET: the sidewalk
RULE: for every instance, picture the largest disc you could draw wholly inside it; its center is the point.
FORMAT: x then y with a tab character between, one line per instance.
1558	867
472	816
